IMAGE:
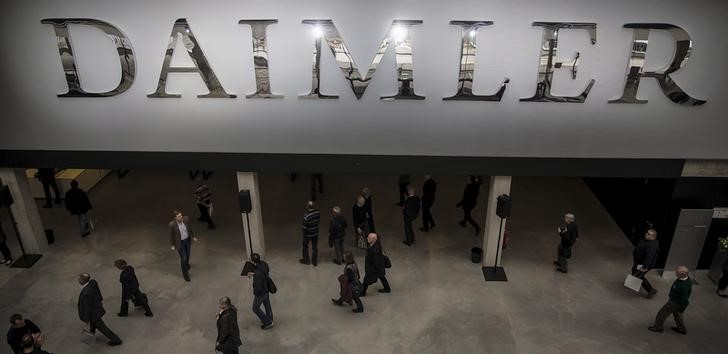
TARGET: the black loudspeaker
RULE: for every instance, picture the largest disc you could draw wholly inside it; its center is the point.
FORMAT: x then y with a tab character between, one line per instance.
246	205
503	210
6	199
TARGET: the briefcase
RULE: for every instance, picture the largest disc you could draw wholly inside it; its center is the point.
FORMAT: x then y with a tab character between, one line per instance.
140	301
633	283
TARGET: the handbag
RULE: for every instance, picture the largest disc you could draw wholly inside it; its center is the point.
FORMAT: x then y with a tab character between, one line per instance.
271	286
633	283
387	262
140	301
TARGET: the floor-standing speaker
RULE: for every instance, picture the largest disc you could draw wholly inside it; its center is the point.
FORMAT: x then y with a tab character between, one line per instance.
246	205
503	209
6	199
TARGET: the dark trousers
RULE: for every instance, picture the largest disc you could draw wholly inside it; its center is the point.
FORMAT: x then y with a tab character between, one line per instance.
357	301
231	351
136	295
409	234
402	192
265	317
205	214
723	282
645	283
469	219
184	250
339	249
562	256
314	249
373	279
427	220
205	174
670	308
101	326
47	185
5	251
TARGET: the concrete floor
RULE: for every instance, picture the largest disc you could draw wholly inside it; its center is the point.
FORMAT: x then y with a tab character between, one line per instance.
439	303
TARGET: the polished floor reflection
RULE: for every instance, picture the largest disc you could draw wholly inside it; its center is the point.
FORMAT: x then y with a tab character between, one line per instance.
439	303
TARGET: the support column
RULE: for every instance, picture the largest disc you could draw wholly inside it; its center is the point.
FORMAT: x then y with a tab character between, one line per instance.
25	212
493	236
249	181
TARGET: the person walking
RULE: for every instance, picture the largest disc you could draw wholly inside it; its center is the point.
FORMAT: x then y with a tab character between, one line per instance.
410	212
337	233
644	258
7	256
317	180
469	201
130	290
261	292
228	332
47	178
569	234
367	194
723	282
91	308
20	327
403	181
677	302
361	221
203	198
77	203
310	227
352	285
180	239
374	266
428	199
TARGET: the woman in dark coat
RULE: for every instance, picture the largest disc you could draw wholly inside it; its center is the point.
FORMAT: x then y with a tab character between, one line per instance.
361	221
350	284
228	333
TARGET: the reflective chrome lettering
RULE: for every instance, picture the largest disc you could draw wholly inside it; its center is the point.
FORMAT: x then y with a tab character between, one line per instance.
260	58
549	46
683	47
181	30
467	65
65	49
399	31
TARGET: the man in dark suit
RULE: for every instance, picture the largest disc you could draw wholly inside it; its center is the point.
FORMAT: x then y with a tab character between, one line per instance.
645	257
130	290
469	201
428	199
47	177
180	239
337	233
569	234
261	292
228	332
78	204
410	211
91	308
374	265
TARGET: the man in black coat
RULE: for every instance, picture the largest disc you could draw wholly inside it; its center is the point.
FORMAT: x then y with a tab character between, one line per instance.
78	204
410	212
569	234
337	233
130	290
91	308
228	332
645	257
367	194
428	199
469	201
374	265
47	177
261	292
403	181
20	327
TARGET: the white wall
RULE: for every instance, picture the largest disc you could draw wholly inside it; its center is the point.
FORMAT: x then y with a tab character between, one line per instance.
34	118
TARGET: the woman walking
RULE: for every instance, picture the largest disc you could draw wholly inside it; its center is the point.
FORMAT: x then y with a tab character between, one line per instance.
350	284
228	333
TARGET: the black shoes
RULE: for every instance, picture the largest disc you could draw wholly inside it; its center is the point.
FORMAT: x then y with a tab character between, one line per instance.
357	311
720	293
149	314
556	263
561	270
462	223
268	326
407	243
678	330
337	302
114	343
303	261
385	291
651	294
122	314
186	276
655	329
85	234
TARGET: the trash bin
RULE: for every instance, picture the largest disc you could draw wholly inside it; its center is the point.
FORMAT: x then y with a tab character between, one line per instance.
476	254
49	236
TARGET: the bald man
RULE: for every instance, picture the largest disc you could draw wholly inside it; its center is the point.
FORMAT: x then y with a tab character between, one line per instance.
677	302
374	265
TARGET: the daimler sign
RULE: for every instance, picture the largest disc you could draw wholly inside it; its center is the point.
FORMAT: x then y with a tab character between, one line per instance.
398	34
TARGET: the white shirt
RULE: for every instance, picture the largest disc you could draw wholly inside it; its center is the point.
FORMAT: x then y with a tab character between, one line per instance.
183	231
